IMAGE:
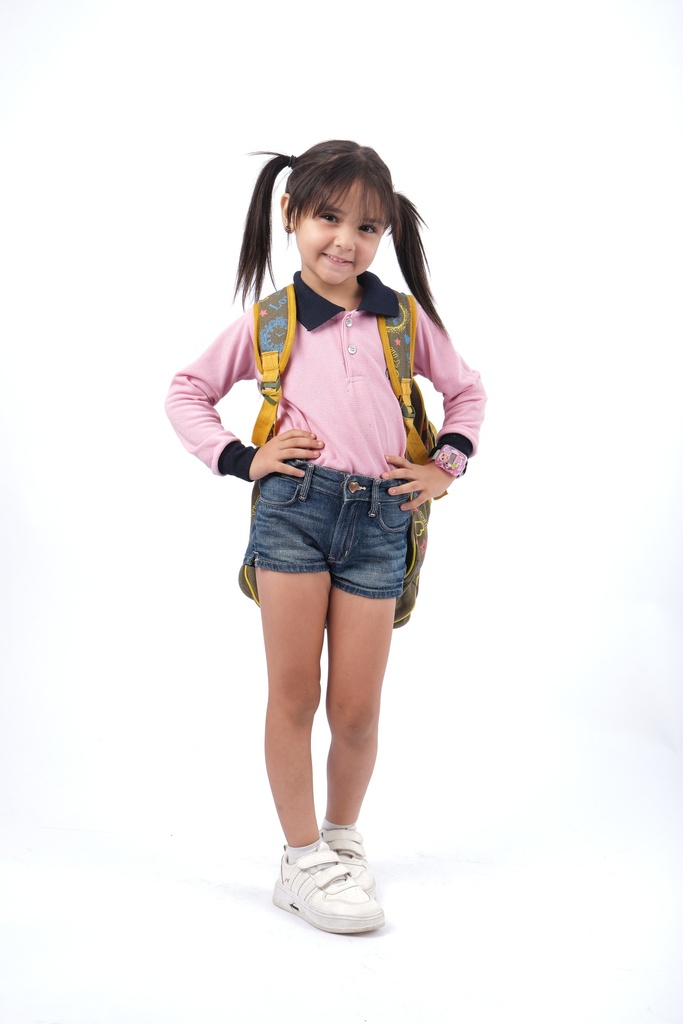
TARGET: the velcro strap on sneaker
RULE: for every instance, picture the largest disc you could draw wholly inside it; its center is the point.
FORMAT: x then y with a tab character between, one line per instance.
324	867
346	841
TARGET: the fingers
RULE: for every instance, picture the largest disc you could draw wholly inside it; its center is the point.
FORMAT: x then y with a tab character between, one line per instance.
274	455
303	434
415	503
407	472
294	445
402	473
410	486
418	482
397	460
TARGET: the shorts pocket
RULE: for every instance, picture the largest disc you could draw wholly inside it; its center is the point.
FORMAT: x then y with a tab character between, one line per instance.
279	490
392	518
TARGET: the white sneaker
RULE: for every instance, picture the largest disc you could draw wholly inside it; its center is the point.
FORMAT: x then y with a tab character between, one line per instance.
320	889
348	845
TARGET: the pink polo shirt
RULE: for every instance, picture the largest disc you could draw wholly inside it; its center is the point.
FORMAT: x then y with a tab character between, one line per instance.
335	385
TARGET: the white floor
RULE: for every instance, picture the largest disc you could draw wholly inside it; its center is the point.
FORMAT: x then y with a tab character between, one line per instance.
564	917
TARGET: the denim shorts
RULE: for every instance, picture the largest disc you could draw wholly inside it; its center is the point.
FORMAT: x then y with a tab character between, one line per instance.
327	521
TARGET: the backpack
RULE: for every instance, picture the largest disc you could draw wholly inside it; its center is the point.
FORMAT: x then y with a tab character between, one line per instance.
274	327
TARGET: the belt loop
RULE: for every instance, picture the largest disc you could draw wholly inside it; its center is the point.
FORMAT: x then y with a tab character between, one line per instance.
374	501
306	485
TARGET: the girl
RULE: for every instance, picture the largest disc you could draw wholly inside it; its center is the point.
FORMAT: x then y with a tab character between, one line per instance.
329	537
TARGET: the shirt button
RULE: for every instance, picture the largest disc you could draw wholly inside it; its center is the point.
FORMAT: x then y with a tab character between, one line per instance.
352	349
348	322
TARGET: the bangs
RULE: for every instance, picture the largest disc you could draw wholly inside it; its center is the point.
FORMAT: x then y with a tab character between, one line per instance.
372	209
376	200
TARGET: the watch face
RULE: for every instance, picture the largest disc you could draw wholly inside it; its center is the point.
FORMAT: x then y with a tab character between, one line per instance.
451	460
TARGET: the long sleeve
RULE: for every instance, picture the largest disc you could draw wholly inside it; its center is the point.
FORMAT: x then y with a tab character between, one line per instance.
196	390
464	398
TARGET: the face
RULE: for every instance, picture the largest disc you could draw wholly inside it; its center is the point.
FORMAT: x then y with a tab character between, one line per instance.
336	246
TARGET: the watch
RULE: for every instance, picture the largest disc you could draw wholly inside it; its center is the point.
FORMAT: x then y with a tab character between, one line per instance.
449	458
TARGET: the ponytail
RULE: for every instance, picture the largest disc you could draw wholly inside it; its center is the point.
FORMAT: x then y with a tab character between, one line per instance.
255	254
411	255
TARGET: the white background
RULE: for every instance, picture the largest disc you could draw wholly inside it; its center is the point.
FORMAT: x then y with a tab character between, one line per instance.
525	817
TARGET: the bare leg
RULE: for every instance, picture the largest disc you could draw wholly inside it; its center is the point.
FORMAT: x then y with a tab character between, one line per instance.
294	608
358	637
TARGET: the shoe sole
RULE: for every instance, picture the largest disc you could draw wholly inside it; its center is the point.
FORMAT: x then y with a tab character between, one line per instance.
338	924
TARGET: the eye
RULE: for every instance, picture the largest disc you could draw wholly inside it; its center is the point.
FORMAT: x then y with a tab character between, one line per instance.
329	217
369	229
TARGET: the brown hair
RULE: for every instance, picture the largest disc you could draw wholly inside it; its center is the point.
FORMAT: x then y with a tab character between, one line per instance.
321	175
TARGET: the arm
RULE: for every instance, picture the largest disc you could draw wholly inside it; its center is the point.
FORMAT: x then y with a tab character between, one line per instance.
194	394
464	398
464	401
196	390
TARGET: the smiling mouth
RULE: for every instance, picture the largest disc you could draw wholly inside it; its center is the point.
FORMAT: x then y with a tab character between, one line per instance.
337	259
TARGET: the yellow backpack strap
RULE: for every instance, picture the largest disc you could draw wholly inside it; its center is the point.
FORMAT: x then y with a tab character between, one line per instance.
398	340
274	327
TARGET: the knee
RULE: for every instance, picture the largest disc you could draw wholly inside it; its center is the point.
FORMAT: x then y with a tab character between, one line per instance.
297	702
353	726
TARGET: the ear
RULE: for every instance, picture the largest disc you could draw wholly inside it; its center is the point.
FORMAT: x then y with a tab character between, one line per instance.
284	207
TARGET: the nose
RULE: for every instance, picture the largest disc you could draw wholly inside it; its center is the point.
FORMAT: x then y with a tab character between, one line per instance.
344	237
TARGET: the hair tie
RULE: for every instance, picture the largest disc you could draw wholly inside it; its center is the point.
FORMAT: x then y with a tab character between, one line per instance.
291	161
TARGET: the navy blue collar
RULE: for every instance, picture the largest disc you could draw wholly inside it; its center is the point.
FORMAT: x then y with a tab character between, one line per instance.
312	310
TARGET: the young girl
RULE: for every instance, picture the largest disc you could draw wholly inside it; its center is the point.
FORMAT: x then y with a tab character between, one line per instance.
329	536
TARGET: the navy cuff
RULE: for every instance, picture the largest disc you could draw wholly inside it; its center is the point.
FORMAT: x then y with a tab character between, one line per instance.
459	441
236	459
